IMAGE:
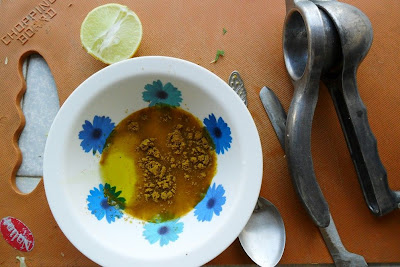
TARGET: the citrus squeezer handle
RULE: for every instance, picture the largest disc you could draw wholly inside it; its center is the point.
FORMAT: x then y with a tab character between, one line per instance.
355	31
298	153
304	45
362	145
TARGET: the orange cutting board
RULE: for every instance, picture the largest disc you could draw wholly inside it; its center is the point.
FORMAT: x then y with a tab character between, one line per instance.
192	30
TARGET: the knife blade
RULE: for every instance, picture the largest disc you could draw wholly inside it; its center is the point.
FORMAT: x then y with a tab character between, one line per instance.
276	113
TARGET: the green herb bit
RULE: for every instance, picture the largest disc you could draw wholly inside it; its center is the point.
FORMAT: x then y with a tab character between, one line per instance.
207	135
224	31
219	54
113	198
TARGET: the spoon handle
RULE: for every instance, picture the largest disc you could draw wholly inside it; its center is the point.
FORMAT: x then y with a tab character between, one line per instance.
237	84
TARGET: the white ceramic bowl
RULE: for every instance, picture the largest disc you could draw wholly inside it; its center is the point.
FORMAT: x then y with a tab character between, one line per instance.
74	187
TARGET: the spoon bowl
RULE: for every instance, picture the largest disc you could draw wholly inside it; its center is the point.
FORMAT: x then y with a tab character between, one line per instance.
263	238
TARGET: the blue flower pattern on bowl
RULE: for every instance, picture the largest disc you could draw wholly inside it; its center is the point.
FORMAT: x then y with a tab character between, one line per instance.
156	93
104	201
163	232
211	204
220	133
94	135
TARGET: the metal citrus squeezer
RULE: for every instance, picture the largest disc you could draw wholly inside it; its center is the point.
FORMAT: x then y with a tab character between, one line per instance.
326	40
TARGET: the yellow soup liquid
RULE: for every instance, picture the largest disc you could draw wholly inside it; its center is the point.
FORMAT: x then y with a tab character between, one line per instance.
163	161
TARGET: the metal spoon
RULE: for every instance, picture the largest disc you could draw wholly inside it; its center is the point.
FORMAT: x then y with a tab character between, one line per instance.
263	238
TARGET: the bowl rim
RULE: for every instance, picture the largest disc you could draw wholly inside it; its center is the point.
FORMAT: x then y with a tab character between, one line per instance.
119	71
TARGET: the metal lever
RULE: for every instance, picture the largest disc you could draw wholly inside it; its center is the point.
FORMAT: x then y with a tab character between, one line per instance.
327	40
307	34
355	33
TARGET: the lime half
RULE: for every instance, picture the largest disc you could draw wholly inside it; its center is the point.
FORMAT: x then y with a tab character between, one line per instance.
111	33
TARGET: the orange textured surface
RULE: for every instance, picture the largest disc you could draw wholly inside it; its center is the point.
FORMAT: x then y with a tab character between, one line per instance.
253	46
